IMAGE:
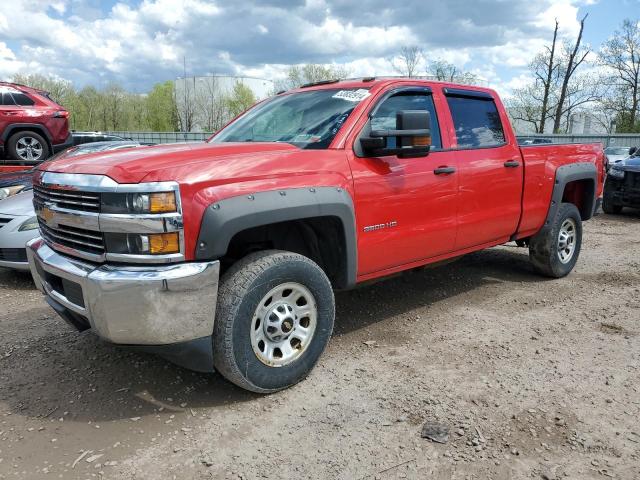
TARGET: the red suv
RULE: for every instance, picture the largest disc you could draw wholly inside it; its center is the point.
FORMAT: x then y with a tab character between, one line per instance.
32	126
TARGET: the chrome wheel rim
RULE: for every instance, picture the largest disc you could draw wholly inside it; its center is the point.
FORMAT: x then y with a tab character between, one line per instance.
283	324
567	240
29	148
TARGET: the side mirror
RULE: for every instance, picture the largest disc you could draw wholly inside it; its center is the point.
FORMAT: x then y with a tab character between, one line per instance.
412	136
632	151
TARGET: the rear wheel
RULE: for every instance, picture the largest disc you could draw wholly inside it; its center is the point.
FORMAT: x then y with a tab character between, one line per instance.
554	251
274	318
28	147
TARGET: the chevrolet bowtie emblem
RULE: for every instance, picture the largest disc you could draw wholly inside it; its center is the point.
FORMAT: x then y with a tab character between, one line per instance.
46	214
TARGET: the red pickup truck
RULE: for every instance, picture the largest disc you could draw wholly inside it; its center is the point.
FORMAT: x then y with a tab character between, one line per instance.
224	255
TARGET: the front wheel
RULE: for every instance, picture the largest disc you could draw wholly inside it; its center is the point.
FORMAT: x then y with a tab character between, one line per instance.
274	319
608	205
554	250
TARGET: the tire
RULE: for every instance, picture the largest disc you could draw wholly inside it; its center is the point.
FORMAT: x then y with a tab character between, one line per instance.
608	206
28	146
254	305
545	252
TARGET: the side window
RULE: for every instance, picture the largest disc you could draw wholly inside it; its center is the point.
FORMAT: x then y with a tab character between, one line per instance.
385	115
22	99
476	121
6	99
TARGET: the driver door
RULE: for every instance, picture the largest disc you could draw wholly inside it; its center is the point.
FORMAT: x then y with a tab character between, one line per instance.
406	207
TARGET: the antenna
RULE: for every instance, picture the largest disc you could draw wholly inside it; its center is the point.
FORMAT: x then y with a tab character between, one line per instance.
184	90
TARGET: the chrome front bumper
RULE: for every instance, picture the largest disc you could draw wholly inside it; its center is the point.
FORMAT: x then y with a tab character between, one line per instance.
131	305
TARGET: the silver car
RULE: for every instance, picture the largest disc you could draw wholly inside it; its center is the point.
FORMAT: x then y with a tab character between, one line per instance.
615	155
18	225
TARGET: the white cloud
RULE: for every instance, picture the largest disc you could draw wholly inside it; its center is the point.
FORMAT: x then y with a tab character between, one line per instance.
140	43
9	64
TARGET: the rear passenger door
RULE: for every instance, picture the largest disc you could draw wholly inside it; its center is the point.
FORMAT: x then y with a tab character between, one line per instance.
490	170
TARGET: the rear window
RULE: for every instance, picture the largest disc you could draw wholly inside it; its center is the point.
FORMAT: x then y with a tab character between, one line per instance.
476	121
22	99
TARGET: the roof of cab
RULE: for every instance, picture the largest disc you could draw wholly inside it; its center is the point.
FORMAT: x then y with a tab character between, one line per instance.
380	82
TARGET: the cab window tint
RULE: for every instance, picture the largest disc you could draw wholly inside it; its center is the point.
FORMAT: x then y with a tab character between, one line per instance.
22	99
476	121
385	115
6	99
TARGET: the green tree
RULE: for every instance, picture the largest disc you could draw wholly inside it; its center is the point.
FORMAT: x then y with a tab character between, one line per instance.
621	55
240	98
162	115
59	90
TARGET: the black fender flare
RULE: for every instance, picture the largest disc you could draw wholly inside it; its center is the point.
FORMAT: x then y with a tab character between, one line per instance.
570	173
224	219
27	126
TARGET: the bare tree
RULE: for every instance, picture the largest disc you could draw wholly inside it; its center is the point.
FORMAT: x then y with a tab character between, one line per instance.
582	94
184	95
524	106
407	62
545	70
447	72
621	53
210	104
574	59
311	73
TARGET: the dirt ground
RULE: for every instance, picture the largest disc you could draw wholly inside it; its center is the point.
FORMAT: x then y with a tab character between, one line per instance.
534	378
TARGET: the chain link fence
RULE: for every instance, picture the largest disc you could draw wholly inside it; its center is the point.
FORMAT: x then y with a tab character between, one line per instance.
163	137
616	140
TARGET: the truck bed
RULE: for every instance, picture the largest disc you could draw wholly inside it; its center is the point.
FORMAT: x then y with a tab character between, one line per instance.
540	164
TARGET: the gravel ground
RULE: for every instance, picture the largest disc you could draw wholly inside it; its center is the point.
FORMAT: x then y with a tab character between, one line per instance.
534	378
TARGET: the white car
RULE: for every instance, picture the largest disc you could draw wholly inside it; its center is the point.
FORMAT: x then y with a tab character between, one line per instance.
18	222
615	154
18	225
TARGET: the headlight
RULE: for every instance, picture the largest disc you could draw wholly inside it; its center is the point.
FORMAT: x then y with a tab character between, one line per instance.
30	224
9	191
143	244
139	203
616	173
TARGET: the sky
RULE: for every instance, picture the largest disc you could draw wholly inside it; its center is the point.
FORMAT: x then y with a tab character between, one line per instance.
139	43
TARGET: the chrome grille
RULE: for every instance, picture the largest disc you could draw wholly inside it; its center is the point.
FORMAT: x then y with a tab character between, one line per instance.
69	199
77	238
4	221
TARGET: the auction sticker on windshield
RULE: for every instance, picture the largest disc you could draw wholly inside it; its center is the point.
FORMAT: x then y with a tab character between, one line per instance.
353	95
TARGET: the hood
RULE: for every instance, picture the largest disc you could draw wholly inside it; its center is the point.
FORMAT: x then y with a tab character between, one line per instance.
133	165
631	164
20	205
17	178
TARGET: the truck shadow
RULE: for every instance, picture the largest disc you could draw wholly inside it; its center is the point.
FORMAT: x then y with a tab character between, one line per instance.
16	279
61	370
419	288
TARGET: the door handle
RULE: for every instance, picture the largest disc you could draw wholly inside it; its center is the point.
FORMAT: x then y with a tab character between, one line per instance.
512	164
444	170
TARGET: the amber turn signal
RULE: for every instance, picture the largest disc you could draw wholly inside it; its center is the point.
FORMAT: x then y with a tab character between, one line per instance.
163	243
162	202
421	141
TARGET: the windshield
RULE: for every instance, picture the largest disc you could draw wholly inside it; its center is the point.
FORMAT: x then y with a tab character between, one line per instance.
305	119
617	151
